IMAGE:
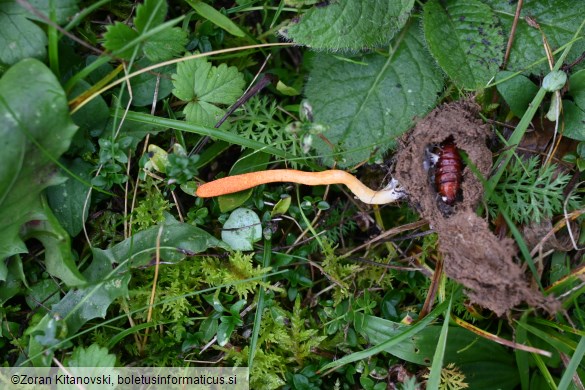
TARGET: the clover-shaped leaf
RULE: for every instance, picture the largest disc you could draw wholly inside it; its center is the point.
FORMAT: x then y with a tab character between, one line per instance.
165	44
205	87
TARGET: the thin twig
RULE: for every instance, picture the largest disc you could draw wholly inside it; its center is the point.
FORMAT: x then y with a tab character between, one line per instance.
154	284
512	33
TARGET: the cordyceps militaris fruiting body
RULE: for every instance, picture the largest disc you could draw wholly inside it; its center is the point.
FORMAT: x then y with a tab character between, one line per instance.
231	184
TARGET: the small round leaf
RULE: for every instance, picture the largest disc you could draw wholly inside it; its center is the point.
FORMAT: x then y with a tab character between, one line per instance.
242	229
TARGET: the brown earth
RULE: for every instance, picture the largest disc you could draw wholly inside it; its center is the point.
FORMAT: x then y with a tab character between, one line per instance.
473	255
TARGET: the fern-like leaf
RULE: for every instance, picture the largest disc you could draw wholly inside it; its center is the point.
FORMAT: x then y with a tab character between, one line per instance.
532	194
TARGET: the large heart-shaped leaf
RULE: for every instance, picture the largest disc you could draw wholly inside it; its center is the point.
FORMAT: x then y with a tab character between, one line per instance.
558	20
366	102
348	24
465	39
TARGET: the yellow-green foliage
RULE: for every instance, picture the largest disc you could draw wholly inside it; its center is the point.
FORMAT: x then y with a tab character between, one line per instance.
451	378
338	273
375	276
301	340
235	272
267	371
286	343
174	282
429	246
150	210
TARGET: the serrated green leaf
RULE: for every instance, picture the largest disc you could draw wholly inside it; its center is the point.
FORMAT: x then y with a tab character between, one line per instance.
117	37
33	136
518	91
149	14
366	107
557	19
216	17
348	24
242	229
204	87
465	39
92	356
165	45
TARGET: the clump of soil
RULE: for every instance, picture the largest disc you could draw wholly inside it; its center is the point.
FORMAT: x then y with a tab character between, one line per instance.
473	255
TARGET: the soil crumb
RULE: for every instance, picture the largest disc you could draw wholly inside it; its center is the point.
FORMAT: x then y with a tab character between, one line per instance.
473	255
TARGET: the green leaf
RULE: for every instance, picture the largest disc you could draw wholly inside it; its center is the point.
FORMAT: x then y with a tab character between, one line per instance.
205	87
117	37
106	282
224	332
144	85
59	260
167	44
20	38
67	200
465	39
574	121
250	161
33	137
91	119
177	241
557	19
518	92
478	363
146	121
242	229
554	81
567	381
24	38
11	278
434	379
149	14
43	295
281	207
389	342
63	9
577	88
348	24
366	107
216	17
92	356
